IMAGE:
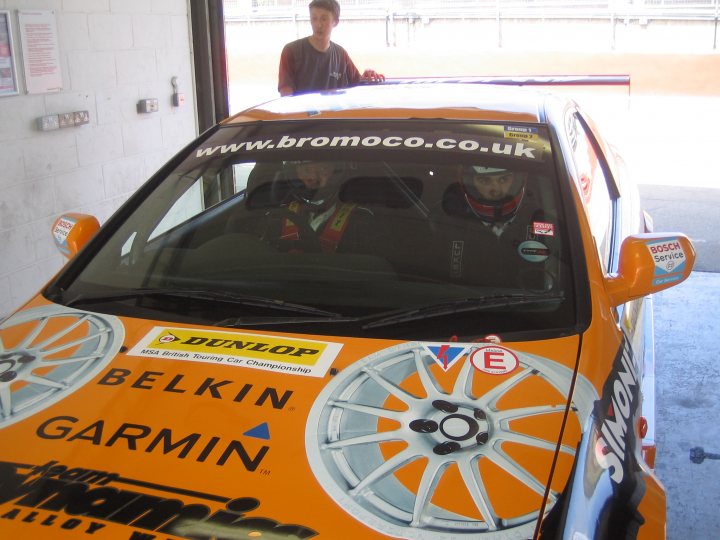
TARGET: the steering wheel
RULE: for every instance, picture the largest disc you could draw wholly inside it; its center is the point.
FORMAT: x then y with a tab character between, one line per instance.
308	240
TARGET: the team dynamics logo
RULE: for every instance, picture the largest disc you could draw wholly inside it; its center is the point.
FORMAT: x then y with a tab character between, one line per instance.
52	495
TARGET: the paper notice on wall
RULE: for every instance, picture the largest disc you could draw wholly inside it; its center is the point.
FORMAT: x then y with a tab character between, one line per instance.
40	51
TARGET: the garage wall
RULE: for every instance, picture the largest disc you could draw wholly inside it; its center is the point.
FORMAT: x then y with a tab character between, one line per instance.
112	53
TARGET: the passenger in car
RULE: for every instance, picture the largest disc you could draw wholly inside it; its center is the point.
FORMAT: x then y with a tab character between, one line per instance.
501	236
312	216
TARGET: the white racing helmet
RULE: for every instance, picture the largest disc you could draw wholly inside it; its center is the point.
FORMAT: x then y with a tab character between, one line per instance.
498	210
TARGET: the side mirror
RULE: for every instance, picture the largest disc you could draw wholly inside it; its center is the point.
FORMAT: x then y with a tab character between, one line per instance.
650	263
72	231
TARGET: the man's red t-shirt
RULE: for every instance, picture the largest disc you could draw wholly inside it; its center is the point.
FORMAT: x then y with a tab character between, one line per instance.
305	69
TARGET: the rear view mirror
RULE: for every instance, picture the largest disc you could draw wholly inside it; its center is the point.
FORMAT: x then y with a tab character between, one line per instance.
72	231
650	263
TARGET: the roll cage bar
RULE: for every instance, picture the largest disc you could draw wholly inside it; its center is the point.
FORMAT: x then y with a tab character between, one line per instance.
545	80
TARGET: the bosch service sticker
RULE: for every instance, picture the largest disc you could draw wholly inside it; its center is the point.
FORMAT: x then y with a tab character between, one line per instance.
270	353
494	359
669	258
61	231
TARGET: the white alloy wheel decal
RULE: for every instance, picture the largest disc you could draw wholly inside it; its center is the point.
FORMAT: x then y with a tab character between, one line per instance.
439	431
47	353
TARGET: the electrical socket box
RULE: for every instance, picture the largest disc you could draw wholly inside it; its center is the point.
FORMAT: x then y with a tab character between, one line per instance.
63	120
147	105
178	99
81	117
66	119
48	123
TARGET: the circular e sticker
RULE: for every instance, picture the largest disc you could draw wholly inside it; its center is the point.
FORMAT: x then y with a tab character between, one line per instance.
494	360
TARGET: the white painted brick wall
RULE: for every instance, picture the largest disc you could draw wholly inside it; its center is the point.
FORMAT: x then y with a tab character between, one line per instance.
110	31
112	53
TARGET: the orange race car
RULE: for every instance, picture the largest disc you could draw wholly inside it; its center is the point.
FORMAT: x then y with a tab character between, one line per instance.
398	311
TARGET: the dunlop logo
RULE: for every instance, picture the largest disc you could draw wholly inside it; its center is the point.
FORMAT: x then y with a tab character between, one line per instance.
271	353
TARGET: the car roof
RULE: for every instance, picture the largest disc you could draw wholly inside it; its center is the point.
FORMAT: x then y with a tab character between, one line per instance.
437	100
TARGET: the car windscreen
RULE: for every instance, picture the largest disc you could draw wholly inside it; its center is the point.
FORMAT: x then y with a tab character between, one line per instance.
400	229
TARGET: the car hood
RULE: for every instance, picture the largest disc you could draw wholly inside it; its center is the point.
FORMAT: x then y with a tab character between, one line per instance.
115	427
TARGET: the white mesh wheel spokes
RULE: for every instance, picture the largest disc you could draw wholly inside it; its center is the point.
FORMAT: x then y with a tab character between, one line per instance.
446	437
49	352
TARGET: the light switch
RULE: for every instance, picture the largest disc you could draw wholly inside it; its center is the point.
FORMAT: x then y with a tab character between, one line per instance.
178	98
147	105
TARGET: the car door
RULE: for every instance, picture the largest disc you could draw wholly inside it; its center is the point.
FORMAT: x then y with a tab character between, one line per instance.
612	203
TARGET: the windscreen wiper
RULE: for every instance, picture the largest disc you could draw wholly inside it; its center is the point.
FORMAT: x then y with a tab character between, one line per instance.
242	322
461	305
195	294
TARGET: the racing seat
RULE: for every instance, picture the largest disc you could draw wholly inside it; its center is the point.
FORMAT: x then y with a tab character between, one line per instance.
399	226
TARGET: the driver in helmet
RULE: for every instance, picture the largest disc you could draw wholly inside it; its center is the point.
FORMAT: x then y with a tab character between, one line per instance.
499	238
491	194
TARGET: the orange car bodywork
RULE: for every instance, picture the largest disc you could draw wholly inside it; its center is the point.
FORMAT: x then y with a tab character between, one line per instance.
199	432
237	432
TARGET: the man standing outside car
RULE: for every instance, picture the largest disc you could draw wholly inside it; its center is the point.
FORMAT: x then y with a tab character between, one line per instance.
315	63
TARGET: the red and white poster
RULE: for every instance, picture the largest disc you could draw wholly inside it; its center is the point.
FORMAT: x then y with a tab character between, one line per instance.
41	54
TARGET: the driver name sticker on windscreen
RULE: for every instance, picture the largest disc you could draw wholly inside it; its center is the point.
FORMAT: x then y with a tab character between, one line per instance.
270	353
669	258
521	132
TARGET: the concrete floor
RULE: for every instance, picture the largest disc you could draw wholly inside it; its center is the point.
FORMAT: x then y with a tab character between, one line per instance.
688	404
687	327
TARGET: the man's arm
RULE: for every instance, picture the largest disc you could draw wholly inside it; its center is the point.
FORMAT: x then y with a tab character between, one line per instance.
370	75
353	73
286	72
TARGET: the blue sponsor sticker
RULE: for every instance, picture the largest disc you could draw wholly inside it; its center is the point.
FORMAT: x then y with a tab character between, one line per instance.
533	251
445	354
